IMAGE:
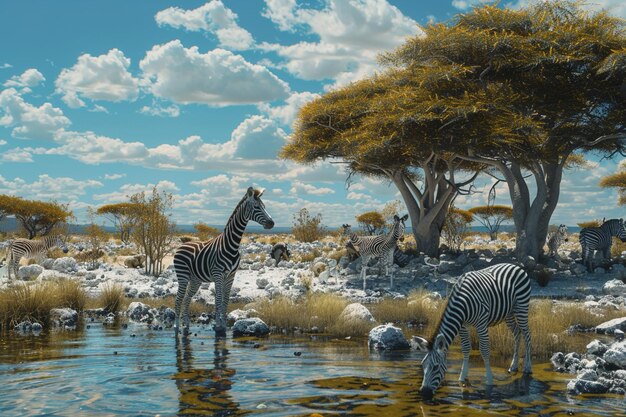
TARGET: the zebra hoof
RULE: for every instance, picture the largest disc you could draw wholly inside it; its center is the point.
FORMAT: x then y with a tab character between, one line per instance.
220	331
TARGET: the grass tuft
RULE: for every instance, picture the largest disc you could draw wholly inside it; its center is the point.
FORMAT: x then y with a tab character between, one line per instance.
112	298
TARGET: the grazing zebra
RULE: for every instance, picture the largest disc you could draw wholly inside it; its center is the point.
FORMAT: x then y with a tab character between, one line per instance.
216	260
480	298
26	248
600	238
556	239
280	252
382	246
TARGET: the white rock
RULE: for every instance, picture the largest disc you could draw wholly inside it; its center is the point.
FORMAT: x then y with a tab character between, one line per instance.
261	283
356	311
239	314
596	347
65	264
387	337
616	355
614	287
610	326
253	326
29	272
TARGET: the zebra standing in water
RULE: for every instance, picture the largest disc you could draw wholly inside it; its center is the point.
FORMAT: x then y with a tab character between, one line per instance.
382	246
600	238
26	248
480	298
216	260
556	239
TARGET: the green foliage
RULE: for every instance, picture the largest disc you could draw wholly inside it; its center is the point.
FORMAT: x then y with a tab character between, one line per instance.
617	180
307	228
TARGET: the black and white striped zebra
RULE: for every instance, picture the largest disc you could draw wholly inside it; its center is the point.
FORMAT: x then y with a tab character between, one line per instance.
381	246
600	239
27	248
216	260
556	239
480	298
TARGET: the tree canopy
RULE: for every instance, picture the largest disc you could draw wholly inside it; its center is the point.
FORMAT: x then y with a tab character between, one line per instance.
372	222
37	218
492	217
122	215
617	180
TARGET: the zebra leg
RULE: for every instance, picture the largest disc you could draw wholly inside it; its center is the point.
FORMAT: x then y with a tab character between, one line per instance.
485	351
466	347
220	304
364	261
512	323
521	316
226	298
183	281
192	289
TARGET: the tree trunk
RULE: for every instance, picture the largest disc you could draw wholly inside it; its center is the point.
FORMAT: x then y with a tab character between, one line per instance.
493	235
427	238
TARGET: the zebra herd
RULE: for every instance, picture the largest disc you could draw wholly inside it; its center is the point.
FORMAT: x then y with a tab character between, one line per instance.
479	298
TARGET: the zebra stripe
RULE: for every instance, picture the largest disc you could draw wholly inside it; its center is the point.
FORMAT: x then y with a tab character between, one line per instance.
382	246
481	299
600	239
556	239
216	260
26	248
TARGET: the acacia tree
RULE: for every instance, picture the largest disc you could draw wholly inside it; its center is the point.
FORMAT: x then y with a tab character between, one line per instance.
492	217
561	71
372	222
122	215
371	126
204	231
617	180
37	218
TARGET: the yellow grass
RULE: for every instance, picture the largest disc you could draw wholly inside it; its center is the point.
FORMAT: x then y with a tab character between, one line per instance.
112	298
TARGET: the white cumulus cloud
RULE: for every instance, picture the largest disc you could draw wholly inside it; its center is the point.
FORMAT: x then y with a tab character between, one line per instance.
211	17
47	187
216	78
29	121
286	113
29	78
105	77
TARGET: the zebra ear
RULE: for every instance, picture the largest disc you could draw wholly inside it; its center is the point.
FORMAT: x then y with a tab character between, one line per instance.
250	192
420	343
261	191
396	218
405	217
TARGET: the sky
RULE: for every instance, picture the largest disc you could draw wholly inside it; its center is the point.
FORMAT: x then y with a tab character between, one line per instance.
103	99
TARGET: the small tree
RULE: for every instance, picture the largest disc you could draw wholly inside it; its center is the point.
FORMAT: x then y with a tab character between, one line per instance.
205	232
390	210
153	231
36	218
617	180
122	215
372	222
307	228
455	228
96	237
492	217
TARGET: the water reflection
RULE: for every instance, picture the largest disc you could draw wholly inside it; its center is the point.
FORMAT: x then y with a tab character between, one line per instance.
205	391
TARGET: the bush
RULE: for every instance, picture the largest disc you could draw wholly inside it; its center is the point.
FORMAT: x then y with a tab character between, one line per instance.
112	298
307	228
456	227
71	294
205	232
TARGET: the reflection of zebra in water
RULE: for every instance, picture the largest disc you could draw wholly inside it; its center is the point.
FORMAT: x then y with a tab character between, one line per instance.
216	260
600	239
381	246
480	298
280	252
556	239
26	248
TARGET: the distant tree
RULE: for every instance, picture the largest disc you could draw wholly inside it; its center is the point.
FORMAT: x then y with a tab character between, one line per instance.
35	217
455	227
307	228
617	180
372	222
96	237
205	232
390	210
492	217
153	230
122	215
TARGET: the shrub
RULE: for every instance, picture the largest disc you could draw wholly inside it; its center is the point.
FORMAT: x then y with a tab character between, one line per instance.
455	228
27	301
112	298
307	228
205	232
71	294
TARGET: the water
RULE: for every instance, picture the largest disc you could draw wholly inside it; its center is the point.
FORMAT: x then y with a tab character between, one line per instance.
104	371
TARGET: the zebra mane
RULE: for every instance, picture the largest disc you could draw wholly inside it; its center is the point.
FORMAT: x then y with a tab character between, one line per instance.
610	223
431	341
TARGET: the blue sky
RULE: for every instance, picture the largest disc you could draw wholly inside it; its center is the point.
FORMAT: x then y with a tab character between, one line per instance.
102	99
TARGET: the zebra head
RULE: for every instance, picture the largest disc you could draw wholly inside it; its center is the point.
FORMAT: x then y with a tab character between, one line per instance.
59	242
255	209
435	366
399	226
347	229
563	232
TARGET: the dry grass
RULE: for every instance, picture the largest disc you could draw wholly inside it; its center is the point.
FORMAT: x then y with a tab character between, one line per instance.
33	301
417	308
306	257
112	298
